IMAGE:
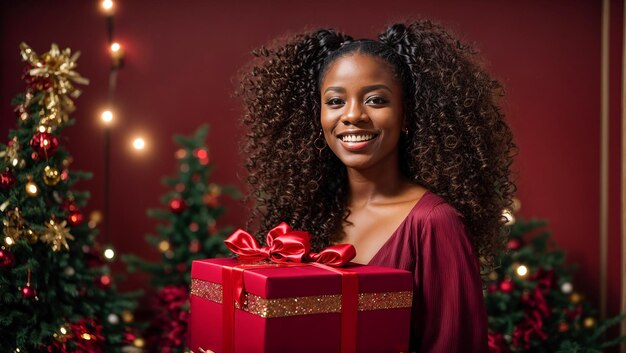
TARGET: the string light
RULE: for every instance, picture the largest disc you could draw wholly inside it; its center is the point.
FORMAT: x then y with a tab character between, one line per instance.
115	47
107	116
107	6
521	271
139	144
8	240
109	253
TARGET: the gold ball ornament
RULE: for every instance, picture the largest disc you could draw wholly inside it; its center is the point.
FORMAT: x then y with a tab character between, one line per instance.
127	316
139	342
576	298
32	189
51	176
95	218
164	245
589	322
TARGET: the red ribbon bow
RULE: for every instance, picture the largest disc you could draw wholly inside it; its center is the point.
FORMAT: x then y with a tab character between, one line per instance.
288	248
287	245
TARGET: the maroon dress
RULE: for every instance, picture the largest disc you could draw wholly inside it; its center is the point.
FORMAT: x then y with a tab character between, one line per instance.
448	312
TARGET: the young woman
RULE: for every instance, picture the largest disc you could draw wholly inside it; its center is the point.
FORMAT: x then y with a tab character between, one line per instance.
397	146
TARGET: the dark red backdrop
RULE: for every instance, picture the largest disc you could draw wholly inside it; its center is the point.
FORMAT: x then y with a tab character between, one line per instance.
181	63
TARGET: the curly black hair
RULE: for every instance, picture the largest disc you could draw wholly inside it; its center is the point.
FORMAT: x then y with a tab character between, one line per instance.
459	145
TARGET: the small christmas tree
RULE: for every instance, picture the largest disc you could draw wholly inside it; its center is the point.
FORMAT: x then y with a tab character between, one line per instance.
56	294
190	233
531	301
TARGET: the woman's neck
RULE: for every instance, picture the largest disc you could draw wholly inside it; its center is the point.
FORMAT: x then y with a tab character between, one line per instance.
375	184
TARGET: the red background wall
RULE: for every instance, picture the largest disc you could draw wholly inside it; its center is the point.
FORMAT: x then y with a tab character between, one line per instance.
181	63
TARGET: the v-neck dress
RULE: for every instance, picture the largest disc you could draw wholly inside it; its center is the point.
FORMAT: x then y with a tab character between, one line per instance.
448	313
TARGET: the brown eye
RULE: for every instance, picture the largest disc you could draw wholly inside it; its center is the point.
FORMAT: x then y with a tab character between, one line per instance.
376	100
334	101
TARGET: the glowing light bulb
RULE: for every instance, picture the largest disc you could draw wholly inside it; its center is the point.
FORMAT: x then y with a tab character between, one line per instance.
8	240
109	253
116	47
522	270
107	116
139	143
107	6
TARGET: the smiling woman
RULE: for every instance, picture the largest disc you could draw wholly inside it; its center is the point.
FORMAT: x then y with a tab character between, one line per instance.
396	146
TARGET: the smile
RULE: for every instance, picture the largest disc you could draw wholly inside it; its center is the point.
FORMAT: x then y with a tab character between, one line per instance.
357	138
357	141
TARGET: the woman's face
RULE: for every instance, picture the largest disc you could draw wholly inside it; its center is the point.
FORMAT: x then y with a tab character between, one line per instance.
361	112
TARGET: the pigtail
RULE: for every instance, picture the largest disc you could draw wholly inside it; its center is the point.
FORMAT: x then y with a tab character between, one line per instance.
463	146
281	111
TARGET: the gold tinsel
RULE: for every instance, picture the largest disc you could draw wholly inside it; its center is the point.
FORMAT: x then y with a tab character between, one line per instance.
57	66
10	153
56	234
13	225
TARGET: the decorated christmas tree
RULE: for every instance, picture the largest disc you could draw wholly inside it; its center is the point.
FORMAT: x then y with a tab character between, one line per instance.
189	233
532	303
56	292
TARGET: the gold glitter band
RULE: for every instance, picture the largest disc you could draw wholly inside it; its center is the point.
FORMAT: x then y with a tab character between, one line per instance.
295	306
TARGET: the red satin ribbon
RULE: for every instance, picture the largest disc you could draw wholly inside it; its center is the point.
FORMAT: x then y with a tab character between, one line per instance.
284	244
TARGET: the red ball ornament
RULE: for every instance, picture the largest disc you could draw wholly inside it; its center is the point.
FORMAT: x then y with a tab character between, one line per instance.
492	287
104	281
75	218
506	286
28	292
177	205
514	244
6	258
44	143
202	155
194	246
7	179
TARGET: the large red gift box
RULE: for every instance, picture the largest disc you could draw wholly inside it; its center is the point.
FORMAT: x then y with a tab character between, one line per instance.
299	308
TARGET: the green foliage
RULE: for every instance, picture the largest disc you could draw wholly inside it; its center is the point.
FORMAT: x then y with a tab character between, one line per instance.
540	311
192	233
186	233
65	279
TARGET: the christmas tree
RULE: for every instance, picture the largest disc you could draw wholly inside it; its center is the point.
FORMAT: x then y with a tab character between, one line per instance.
189	233
56	293
532	303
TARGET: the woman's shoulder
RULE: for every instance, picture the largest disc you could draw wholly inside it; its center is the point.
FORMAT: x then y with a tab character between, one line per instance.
432	207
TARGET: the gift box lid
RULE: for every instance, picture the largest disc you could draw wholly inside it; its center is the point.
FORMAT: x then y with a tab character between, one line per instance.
300	281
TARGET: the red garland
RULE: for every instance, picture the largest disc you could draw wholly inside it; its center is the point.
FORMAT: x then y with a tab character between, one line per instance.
536	309
87	326
496	343
168	329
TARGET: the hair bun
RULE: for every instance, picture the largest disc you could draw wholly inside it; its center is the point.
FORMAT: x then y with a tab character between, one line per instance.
393	35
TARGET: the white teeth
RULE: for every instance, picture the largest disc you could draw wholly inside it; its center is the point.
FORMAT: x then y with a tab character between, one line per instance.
356	138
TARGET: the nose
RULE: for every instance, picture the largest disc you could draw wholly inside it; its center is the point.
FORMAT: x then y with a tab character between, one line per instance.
354	113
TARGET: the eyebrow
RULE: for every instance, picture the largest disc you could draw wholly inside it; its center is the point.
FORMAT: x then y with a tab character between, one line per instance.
366	88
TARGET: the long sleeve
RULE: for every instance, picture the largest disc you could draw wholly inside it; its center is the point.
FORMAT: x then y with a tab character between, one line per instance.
449	314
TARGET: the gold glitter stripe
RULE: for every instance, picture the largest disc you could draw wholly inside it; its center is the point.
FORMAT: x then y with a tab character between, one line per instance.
295	306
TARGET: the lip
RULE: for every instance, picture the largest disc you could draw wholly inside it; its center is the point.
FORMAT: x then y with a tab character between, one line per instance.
357	146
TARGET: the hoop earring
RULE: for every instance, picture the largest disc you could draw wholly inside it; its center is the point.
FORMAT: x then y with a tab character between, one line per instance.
318	140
